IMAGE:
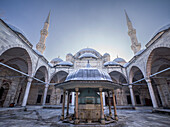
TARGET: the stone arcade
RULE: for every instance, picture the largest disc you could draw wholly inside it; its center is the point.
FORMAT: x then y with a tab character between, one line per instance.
27	78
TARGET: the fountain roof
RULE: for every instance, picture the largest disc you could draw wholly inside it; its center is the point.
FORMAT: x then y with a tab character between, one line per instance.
88	78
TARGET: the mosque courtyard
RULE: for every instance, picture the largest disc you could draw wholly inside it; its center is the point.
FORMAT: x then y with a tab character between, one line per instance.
36	116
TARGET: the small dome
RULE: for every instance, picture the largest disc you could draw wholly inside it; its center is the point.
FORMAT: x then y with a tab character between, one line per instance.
119	60
90	74
65	63
69	54
162	29
106	54
56	60
111	63
16	29
88	55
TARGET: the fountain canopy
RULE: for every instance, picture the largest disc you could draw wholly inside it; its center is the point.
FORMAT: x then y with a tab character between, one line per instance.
88	78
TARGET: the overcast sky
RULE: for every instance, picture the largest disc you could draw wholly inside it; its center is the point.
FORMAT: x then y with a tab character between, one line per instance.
78	24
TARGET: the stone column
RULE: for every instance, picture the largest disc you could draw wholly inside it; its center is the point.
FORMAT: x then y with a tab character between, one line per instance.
114	104
103	95
132	95
151	92
73	98
27	90
101	107
109	99
45	93
64	93
68	98
76	108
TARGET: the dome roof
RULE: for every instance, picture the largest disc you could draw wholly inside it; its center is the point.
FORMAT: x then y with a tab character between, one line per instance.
88	74
118	60
16	29
111	63
87	50
69	54
162	29
106	54
65	63
87	55
56	60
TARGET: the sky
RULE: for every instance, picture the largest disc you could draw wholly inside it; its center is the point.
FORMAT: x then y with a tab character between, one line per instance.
78	24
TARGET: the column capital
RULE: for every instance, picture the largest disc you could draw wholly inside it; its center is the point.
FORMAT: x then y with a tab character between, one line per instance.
147	79
113	91
29	79
130	86
46	85
76	89
100	89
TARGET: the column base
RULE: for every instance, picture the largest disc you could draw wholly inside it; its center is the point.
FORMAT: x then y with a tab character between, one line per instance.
102	121
62	117
76	121
133	107
89	121
116	118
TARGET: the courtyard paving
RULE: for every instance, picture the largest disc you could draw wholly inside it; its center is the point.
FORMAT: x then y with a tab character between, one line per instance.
38	117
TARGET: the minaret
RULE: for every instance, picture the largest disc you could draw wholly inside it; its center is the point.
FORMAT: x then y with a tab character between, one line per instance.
44	33
132	33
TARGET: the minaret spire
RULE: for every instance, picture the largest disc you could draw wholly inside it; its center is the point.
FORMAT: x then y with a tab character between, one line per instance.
44	33
48	18
127	17
132	33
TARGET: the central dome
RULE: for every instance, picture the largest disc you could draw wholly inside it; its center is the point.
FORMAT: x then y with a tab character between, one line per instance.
87	50
87	55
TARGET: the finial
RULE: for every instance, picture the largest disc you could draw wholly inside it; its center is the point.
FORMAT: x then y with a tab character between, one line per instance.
88	64
127	17
48	18
117	56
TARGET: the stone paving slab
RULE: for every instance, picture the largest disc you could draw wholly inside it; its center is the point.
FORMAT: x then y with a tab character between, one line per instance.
39	117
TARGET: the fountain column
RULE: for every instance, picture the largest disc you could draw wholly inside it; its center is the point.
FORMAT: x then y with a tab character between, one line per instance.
76	108
110	112
101	106
114	104
68	98
64	93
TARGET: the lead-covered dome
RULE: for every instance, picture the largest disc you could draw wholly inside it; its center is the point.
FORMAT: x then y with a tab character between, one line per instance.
111	63
88	55
88	74
87	50
56	61
119	60
65	63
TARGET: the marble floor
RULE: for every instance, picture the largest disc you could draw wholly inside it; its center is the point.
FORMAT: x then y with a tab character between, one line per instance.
36	116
